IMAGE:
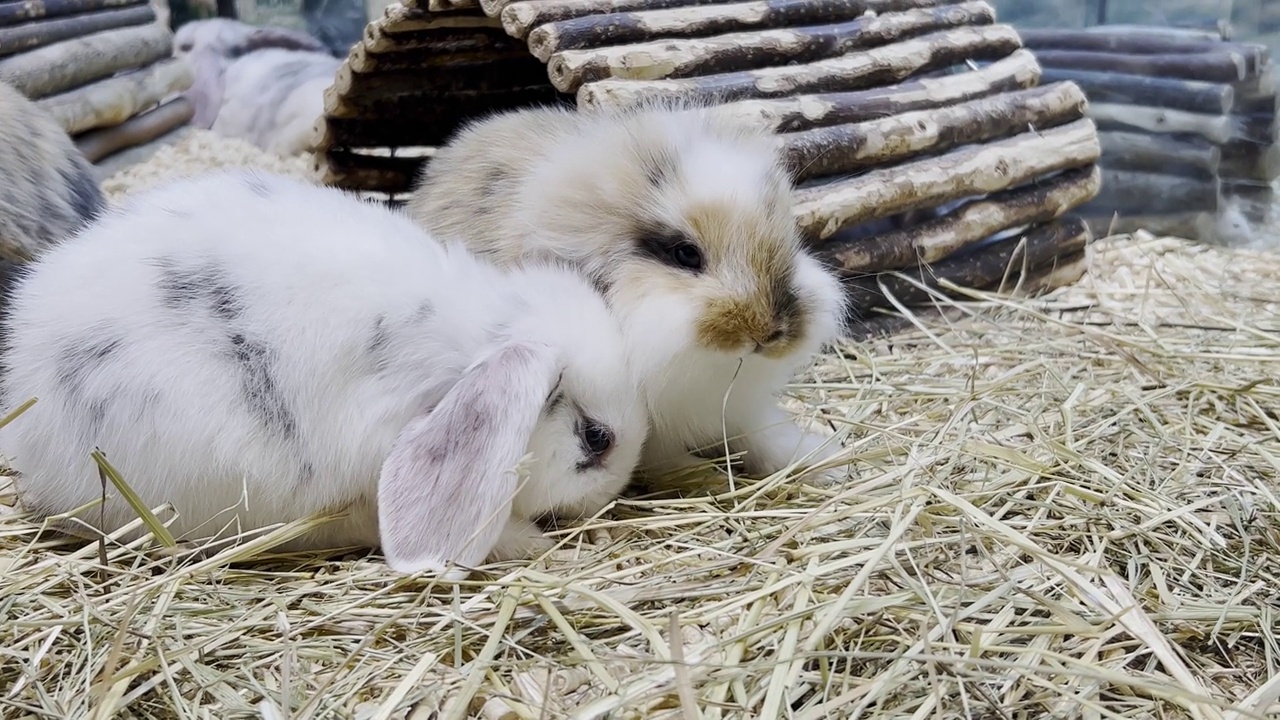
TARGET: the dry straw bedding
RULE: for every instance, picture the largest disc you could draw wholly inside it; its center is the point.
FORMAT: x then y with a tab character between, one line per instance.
1063	508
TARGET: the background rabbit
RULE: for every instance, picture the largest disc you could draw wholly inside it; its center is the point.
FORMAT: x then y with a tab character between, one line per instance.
261	84
684	217
47	189
301	351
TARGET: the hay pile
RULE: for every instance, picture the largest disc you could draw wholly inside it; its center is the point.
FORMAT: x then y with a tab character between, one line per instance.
1066	508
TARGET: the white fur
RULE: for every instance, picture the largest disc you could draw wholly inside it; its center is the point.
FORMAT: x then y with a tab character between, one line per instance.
574	187
273	97
312	275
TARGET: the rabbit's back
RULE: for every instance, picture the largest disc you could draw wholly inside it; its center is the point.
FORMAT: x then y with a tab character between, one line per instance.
242	330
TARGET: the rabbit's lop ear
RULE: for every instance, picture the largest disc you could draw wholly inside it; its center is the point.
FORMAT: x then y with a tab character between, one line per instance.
447	486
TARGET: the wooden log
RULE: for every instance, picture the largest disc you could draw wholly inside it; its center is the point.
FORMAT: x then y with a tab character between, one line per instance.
1164	31
1189	95
356	171
1065	269
1170	154
447	48
703	17
855	71
71	63
1042	246
137	130
1220	66
427	105
1249	161
19	38
681	57
789	114
841	149
594	31
495	74
1147	193
976	169
941	237
112	101
417	120
1099	39
14	13
1217	129
1256	105
450	5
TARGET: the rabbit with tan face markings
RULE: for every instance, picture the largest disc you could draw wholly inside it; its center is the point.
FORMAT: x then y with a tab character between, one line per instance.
255	350
47	189
683	217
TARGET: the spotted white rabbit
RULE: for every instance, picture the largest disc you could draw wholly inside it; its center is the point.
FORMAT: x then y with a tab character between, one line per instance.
253	350
683	216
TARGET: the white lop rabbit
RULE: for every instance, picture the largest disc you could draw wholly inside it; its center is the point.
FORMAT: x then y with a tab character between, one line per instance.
261	84
684	217
254	349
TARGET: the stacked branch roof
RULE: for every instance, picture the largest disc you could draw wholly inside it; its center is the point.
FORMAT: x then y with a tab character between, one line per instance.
104	69
1186	120
925	148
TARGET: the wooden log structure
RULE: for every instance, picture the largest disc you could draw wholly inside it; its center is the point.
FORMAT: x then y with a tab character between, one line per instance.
1187	120
881	108
72	63
38	33
104	69
137	130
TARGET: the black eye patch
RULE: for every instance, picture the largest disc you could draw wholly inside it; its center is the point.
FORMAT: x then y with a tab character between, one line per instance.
670	247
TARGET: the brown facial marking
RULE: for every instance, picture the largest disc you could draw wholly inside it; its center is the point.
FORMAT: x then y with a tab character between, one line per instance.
766	318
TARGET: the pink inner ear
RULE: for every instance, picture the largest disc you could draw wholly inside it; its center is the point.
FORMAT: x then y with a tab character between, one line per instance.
447	486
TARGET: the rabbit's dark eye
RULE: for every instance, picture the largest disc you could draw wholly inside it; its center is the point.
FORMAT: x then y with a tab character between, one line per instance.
687	255
596	439
670	247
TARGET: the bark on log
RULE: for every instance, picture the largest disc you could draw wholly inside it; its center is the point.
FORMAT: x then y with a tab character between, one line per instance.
418	120
451	5
71	63
842	149
1130	43
1257	105
1064	270
403	18
112	101
1189	95
686	57
137	130
447	47
972	170
13	13
703	17
1143	193
595	31
1250	161
19	38
942	237
1015	72
371	172
1217	129
1160	31
858	70
1220	66
1170	154
522	71
1040	247
426	106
